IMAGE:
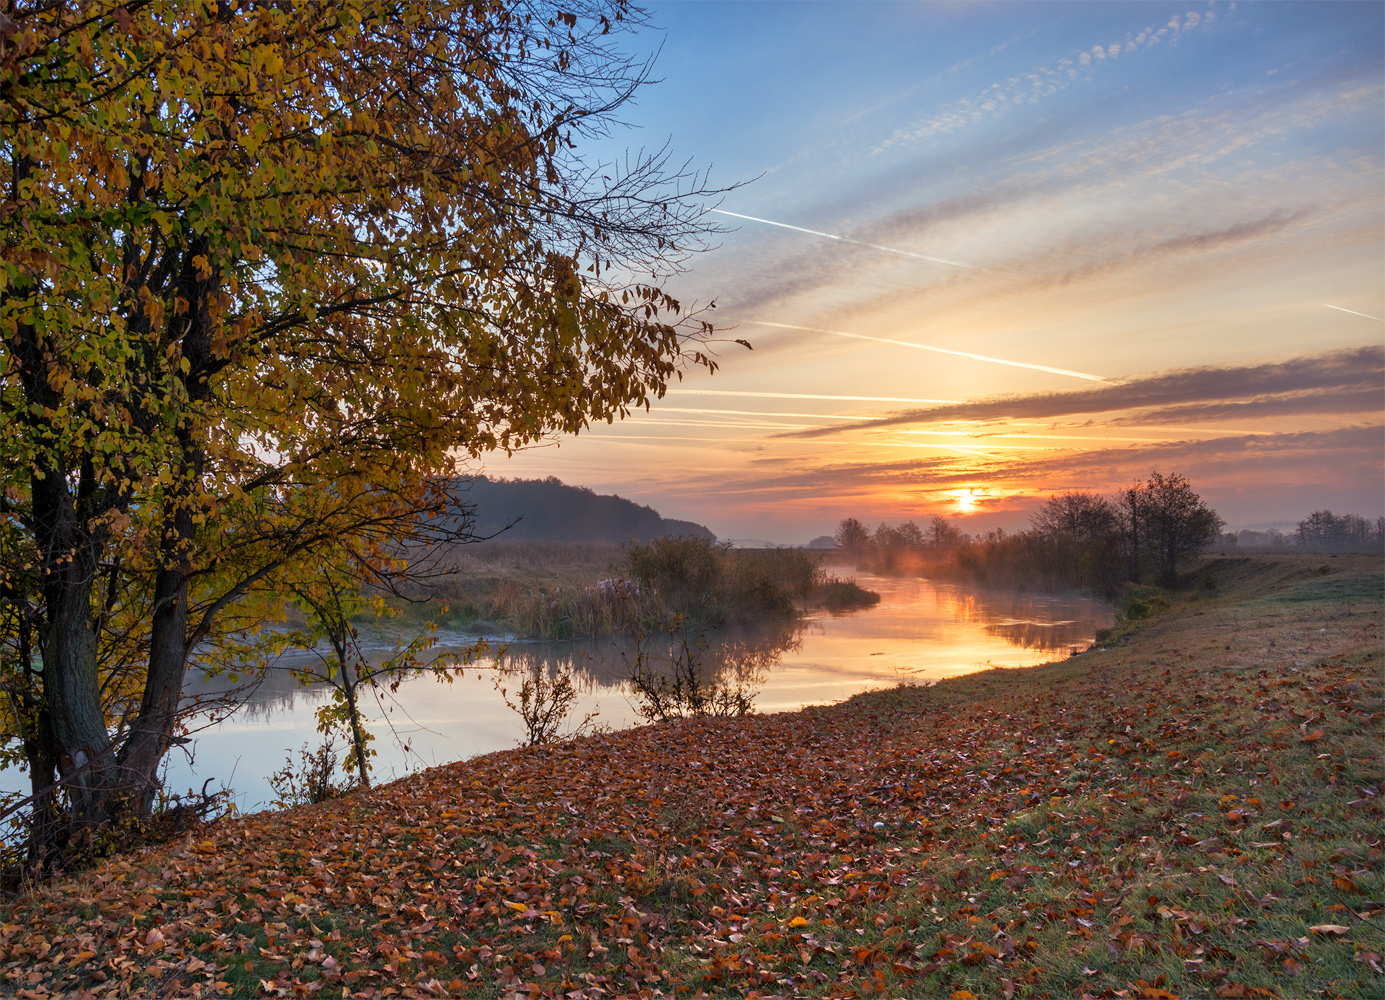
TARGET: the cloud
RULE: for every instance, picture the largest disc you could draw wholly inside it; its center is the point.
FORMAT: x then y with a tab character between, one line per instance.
1029	88
1103	260
1342	400
1349	377
801	395
1331	460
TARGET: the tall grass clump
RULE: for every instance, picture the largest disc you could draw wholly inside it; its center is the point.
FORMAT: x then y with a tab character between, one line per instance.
710	584
566	591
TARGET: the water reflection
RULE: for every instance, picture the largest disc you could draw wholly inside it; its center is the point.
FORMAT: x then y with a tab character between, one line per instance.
735	656
920	631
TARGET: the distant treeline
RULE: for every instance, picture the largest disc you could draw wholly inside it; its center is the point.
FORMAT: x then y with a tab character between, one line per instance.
548	510
1320	531
1077	540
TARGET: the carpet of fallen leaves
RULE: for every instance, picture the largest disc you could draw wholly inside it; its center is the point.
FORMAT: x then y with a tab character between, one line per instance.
1192	812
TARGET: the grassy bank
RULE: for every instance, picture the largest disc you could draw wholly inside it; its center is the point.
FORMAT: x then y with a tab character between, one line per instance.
1192	811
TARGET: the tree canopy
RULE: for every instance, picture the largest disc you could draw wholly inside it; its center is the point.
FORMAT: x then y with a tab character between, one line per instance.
269	271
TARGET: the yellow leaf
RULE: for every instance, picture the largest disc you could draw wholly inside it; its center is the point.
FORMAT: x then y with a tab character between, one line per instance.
798	922
517	907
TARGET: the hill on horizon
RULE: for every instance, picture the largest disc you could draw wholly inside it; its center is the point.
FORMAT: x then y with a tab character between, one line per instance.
549	510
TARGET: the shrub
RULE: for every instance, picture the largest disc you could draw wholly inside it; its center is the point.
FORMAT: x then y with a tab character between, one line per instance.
706	583
312	780
847	595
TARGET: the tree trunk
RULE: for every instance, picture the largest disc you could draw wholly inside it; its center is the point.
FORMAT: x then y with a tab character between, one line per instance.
72	709
357	733
152	732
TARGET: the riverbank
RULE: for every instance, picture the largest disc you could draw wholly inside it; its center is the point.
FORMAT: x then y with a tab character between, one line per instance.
1191	811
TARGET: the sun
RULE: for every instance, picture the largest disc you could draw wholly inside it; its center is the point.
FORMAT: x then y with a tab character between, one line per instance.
967	500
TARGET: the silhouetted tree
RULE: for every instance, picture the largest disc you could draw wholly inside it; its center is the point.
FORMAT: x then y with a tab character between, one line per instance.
1080	533
852	535
911	534
1324	531
1081	516
944	536
1172	522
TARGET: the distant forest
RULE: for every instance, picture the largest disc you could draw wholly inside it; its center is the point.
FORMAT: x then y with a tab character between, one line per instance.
548	510
1151	531
1320	531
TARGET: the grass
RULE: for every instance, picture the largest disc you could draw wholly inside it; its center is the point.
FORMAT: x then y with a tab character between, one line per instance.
847	595
1192	812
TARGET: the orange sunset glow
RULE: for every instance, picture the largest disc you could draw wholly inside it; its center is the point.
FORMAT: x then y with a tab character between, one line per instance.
983	265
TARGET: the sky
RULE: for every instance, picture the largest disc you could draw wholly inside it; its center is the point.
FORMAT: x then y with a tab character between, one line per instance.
987	252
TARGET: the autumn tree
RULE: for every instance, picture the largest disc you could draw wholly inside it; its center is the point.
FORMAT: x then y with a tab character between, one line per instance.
269	272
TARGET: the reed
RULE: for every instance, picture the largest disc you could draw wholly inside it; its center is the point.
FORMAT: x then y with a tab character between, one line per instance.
553	590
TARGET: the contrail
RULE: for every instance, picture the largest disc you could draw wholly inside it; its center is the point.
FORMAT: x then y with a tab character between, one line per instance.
848	239
1355	313
758	413
940	350
803	395
761	424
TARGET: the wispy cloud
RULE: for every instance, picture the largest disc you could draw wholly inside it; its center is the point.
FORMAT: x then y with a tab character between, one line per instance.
802	395
1032	87
1093	258
757	413
1349	378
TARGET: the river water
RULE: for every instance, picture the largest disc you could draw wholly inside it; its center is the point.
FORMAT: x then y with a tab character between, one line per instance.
920	631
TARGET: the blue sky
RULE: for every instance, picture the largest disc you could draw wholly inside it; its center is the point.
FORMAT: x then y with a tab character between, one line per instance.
1124	190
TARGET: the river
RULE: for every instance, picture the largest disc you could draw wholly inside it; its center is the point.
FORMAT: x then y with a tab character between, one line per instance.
920	632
